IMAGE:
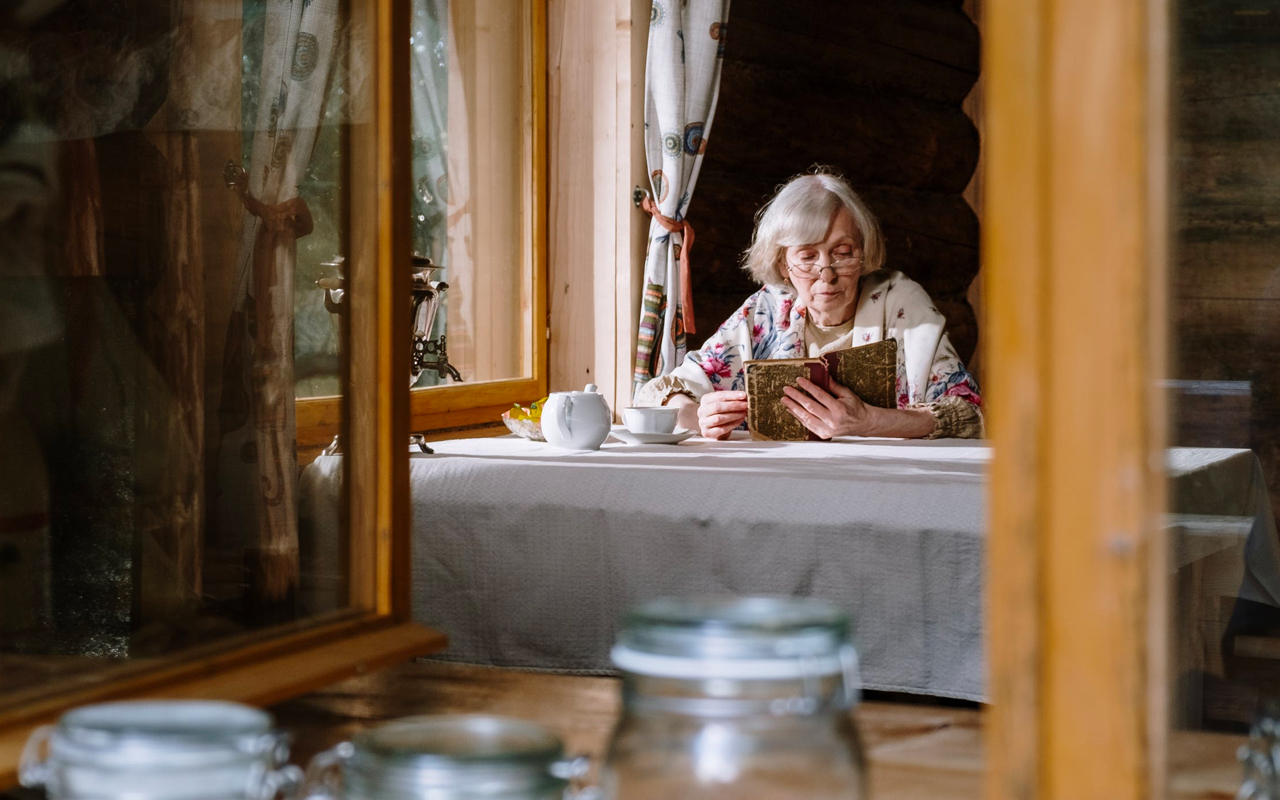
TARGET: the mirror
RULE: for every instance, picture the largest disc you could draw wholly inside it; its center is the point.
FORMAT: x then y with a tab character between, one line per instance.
174	178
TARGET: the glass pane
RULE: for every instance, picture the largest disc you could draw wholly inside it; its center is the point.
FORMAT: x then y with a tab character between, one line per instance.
1223	387
173	178
472	179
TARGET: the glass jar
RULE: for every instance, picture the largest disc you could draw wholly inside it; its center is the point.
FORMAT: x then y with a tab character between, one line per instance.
160	750
461	757
738	698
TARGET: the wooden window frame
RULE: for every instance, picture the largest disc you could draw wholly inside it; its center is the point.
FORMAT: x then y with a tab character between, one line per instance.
271	665
1074	254
461	405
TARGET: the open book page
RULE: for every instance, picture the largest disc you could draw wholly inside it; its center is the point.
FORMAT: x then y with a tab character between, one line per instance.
869	371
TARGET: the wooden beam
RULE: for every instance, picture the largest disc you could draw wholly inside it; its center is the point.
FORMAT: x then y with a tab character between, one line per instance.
1076	321
1013	238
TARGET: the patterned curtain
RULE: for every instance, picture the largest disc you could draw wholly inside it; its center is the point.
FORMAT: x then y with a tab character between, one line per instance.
257	460
682	84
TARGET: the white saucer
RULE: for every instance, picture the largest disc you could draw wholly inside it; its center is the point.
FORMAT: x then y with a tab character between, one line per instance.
627	437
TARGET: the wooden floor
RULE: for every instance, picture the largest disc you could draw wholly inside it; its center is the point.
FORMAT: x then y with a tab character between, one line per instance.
916	751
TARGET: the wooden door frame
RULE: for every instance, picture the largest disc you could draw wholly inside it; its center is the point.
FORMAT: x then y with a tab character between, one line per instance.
1074	242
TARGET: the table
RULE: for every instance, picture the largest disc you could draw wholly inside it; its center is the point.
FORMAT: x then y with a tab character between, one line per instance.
527	555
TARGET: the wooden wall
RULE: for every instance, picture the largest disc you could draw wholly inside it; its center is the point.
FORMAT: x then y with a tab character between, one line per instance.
873	89
489	156
595	64
1225	270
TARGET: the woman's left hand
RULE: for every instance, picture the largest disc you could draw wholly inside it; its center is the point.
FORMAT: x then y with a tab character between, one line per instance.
839	412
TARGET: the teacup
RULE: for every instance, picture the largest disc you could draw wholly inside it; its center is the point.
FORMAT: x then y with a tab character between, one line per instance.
660	419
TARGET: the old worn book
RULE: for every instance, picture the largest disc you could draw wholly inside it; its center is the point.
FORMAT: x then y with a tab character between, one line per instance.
767	417
870	372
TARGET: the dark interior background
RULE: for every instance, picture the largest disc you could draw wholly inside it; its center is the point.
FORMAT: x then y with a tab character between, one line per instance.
873	89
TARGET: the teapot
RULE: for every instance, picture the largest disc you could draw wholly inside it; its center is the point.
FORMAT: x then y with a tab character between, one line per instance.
576	420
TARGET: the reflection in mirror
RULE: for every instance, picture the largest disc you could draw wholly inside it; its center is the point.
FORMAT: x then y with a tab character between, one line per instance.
1223	391
171	179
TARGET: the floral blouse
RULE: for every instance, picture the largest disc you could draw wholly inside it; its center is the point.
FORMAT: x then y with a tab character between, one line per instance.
772	322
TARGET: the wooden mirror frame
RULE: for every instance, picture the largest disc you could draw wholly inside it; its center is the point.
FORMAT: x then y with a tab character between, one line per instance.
375	630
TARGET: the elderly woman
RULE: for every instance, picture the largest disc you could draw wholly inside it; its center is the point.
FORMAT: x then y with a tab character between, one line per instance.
819	254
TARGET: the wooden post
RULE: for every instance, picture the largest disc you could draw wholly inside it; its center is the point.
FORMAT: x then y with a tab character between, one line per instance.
1074	287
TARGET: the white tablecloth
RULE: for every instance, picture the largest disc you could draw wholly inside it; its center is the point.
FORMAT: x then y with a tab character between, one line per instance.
527	555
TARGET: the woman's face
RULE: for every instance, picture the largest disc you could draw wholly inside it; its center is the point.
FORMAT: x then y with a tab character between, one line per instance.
831	296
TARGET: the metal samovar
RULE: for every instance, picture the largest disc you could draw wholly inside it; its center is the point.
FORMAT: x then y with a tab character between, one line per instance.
427	295
426	353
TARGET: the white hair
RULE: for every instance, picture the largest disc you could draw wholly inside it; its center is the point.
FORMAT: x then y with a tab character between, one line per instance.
800	213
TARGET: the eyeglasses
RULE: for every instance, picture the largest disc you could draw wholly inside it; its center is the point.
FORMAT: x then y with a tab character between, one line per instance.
810	268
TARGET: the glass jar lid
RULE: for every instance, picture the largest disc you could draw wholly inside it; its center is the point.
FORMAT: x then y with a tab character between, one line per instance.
162	733
735	638
478	754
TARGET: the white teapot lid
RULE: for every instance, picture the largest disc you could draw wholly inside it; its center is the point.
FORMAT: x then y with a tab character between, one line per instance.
591	388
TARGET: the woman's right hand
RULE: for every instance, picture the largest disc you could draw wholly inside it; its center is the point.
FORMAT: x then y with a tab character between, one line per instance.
719	413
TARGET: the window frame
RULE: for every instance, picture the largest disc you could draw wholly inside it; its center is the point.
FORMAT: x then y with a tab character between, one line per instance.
463	405
375	631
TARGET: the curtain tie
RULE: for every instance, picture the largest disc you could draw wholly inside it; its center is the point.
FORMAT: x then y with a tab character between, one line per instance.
686	231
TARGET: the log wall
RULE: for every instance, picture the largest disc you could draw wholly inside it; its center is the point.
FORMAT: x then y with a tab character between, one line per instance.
873	89
1225	270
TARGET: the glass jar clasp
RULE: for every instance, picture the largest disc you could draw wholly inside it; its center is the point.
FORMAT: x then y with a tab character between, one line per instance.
33	766
573	769
323	778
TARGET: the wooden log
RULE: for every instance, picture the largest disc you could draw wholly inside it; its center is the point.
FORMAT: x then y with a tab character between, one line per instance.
1224	173
944	269
861	61
936	31
1235	339
943	216
1227	253
1225	22
1223	71
805	119
1227	92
